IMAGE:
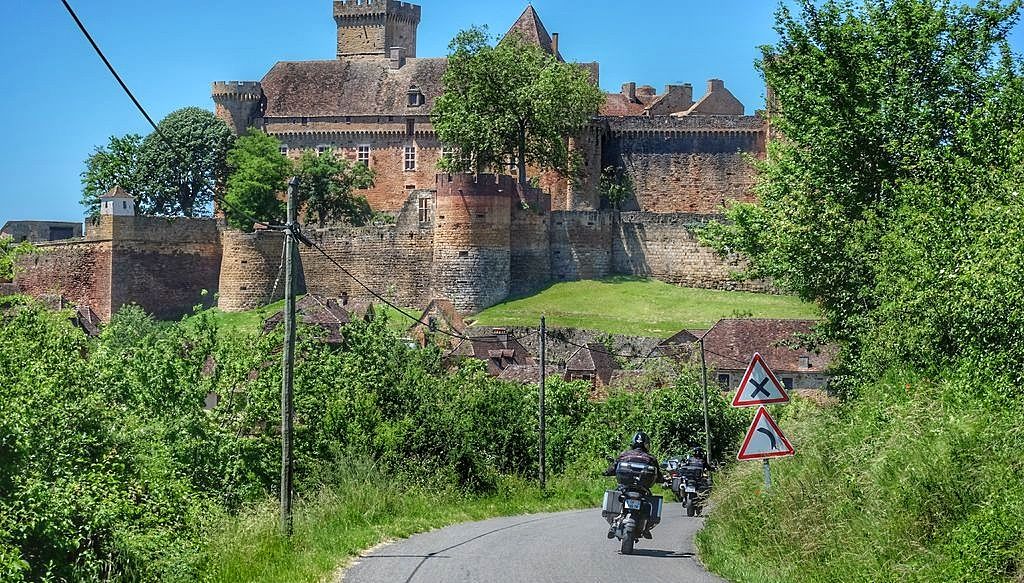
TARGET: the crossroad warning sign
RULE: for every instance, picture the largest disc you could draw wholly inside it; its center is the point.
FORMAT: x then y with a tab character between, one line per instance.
764	439
759	386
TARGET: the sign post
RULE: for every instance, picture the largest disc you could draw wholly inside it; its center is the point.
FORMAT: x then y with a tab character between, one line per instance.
764	439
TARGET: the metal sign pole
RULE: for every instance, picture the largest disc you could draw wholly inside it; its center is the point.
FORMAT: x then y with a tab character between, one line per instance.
541	413
767	476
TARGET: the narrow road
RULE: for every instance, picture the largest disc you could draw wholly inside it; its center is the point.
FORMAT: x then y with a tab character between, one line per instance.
566	547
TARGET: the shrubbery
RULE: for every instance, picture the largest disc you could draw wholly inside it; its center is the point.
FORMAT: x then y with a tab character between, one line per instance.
112	469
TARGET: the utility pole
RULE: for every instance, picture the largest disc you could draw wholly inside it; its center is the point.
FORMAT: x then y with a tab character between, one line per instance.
288	362
704	382
541	412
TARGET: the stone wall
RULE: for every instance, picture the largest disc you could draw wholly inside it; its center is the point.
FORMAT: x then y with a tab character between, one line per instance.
530	251
392	183
665	247
686	164
472	239
252	274
581	245
78	271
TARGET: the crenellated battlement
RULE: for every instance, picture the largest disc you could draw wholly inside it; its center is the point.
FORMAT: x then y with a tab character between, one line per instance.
243	90
476	185
362	8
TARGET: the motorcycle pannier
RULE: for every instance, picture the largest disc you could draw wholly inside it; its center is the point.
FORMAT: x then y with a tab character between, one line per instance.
611	506
656	503
635	473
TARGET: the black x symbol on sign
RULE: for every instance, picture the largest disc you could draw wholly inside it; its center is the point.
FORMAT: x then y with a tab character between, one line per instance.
760	387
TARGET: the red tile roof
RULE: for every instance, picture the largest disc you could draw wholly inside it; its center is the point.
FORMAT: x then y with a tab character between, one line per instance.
731	343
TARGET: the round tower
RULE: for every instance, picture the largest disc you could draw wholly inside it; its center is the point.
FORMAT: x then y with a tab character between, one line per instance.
251	274
238	103
472	226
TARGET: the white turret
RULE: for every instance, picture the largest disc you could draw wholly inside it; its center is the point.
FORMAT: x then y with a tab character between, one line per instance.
118	203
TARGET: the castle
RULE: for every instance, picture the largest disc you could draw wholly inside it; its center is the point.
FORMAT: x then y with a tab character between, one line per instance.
474	239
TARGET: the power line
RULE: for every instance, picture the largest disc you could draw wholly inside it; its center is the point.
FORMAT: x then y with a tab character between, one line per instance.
173	148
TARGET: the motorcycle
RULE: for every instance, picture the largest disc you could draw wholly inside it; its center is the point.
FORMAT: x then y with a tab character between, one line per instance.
631	510
673	478
694	488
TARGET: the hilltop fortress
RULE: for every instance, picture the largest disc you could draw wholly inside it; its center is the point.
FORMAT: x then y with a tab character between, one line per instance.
474	239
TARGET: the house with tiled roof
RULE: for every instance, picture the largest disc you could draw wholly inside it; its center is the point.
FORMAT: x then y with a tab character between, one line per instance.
593	363
731	343
315	310
440	321
499	350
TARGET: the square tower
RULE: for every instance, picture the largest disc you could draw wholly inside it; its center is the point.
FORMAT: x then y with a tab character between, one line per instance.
374	27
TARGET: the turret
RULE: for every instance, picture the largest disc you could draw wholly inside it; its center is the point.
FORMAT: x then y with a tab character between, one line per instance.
472	256
374	27
239	103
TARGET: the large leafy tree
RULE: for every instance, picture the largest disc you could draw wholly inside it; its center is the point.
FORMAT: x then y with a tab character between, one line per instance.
182	180
258	173
167	180
327	186
895	170
116	164
510	104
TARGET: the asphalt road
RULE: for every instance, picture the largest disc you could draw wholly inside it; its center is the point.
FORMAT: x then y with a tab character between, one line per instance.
566	547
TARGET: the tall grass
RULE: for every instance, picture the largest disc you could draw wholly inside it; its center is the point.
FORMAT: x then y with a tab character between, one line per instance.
359	510
897	486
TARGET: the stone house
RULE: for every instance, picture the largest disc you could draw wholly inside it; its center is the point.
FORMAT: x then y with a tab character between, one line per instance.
730	345
327	314
593	363
41	231
498	350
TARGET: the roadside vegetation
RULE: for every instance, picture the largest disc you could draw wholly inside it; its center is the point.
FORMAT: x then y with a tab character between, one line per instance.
112	470
637	306
892	201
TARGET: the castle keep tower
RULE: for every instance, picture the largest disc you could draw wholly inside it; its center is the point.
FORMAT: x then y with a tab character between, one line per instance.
472	241
238	103
376	27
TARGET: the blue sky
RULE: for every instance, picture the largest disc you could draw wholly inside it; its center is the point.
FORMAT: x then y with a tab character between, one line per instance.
60	102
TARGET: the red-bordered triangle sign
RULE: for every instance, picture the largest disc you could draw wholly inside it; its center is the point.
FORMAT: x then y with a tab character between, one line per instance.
764	439
759	386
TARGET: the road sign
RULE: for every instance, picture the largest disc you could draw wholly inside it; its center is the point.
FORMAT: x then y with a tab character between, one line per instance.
759	386
764	439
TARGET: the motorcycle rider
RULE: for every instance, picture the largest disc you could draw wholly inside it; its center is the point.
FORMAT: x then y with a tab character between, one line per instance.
638	453
697	459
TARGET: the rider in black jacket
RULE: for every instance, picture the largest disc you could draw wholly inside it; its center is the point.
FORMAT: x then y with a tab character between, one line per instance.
638	453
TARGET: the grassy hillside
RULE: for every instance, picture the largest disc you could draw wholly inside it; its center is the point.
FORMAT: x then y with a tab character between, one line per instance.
640	307
904	484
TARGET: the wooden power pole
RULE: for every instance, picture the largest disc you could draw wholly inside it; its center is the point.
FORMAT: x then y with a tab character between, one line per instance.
288	362
541	412
704	383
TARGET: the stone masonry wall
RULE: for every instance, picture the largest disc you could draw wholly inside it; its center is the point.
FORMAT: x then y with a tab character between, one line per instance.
687	165
392	182
530	251
251	272
472	239
581	245
665	247
77	270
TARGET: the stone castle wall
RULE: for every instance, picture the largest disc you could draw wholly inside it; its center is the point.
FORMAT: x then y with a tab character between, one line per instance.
252	274
665	247
581	245
686	164
79	271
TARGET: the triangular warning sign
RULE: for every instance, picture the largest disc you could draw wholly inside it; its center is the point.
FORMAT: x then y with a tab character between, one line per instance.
759	386
764	439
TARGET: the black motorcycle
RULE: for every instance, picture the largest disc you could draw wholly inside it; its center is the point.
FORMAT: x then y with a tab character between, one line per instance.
694	488
631	510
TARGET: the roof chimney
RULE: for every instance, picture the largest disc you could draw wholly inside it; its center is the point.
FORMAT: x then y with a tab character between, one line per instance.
554	44
397	57
805	362
629	91
501	334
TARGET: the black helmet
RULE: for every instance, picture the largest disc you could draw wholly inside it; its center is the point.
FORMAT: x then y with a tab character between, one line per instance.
698	451
641	441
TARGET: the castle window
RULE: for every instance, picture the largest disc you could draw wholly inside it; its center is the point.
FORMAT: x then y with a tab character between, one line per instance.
424	208
725	380
415	97
305	120
410	158
283	149
321	149
787	382
363	155
410	126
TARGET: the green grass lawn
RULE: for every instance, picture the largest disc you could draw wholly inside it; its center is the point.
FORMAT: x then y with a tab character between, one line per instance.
252	320
642	307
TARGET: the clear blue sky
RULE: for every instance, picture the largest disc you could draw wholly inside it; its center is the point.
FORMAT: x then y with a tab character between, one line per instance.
60	102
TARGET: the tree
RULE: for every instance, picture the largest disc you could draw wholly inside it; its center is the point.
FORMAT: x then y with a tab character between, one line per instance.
116	164
900	136
258	173
326	188
616	185
511	104
181	181
9	254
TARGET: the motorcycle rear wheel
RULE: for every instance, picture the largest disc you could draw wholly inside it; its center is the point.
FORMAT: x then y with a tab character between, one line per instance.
691	508
627	543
